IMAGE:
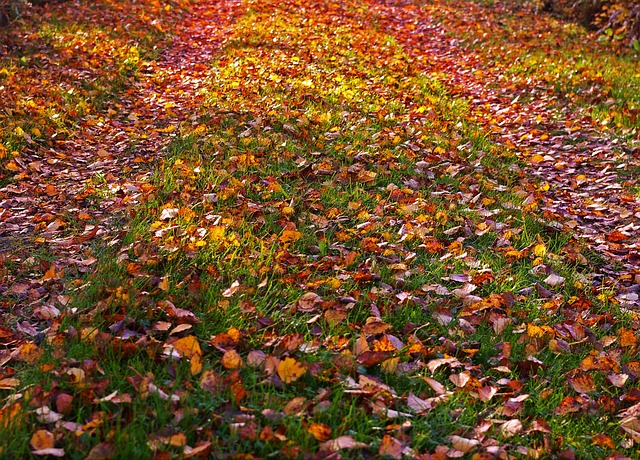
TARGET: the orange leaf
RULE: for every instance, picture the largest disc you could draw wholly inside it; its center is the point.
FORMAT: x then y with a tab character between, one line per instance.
319	431
231	359
29	353
616	237
628	338
290	236
42	439
603	440
187	346
290	370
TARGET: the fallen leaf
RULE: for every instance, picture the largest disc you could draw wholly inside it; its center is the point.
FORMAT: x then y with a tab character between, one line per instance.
390	447
290	370
463	444
582	383
511	428
343	442
232	360
42	439
319	431
187	346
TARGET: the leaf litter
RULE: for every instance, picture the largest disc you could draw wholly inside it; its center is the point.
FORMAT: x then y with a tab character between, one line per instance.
378	304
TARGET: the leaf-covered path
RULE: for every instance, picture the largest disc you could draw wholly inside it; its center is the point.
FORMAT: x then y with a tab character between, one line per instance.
315	229
575	169
114	147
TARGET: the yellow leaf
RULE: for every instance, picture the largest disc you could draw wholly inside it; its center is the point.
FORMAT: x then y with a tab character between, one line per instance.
187	346
11	166
290	370
289	236
540	250
164	284
534	331
195	365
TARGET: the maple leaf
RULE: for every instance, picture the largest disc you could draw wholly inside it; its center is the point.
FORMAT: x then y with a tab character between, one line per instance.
290	370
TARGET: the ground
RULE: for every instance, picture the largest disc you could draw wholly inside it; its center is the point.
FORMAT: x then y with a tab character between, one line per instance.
317	229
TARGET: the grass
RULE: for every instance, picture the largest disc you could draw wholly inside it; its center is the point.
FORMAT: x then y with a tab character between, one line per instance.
316	169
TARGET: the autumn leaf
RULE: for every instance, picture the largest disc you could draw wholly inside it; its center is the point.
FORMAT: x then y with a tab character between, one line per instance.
390	447
290	370
232	360
342	442
582	383
319	431
511	428
290	236
187	346
42	439
463	444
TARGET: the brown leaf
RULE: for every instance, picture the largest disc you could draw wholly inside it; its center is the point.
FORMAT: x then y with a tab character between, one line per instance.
182	315
211	382
371	358
201	450
30	353
486	393
390	447
628	338
617	380
435	385
309	302
463	444
511	428
418	405
631	426
343	442
103	451
582	383
9	383
375	326
461	379
603	440
297	406
64	403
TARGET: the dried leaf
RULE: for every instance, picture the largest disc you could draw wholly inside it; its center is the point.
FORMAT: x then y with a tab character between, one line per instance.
290	370
42	439
232	360
319	431
390	447
511	428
